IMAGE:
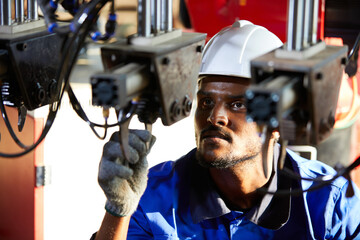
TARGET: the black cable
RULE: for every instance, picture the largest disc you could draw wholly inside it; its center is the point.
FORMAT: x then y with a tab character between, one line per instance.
8	125
77	39
95	7
79	110
49	122
81	113
356	233
126	113
355	48
70	6
321	182
110	26
291	174
76	105
351	67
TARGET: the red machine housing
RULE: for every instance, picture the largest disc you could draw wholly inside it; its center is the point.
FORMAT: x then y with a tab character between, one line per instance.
210	16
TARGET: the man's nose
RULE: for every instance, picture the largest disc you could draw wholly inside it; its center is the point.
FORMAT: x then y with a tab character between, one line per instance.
218	116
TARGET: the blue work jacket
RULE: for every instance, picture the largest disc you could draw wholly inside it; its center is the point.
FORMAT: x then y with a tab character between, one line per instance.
181	202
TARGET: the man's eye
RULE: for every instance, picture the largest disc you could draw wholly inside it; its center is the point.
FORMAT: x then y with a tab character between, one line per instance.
238	105
206	102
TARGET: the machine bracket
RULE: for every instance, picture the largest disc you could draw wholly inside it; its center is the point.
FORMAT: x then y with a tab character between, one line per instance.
42	175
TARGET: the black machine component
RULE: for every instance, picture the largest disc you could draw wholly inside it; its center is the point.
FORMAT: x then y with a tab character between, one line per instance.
297	85
168	73
155	69
36	64
352	66
301	94
151	74
158	79
342	20
31	59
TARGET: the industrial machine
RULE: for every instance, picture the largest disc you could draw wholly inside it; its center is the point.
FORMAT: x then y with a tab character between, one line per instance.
153	73
149	74
295	88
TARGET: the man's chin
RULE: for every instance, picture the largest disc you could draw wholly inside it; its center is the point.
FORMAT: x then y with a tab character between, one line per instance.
212	160
210	152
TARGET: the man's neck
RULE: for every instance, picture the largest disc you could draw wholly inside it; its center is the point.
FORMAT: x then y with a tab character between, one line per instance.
238	184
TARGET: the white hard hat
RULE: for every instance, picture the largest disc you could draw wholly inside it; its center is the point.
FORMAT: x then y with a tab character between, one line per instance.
230	51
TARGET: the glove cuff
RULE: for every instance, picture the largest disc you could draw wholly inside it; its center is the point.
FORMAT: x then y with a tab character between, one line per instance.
118	211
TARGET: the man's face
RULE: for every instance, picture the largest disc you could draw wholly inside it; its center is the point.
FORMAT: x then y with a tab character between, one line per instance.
223	137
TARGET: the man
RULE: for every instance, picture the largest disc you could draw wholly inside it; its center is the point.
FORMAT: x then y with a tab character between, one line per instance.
212	192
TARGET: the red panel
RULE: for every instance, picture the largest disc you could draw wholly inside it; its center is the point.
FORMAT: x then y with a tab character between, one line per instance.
321	25
210	16
270	14
38	191
17	201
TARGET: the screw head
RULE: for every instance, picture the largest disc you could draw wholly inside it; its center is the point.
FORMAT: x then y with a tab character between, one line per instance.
249	119
22	46
40	94
166	61
249	94
275	97
175	110
187	104
319	76
274	122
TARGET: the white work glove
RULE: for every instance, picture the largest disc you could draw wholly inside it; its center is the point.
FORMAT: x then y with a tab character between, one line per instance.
122	181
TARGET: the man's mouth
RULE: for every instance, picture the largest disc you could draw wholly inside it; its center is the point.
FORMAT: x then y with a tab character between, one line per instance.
214	134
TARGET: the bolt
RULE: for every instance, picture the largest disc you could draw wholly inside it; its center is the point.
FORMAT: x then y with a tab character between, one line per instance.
175	110
249	119
199	48
40	93
187	104
331	120
343	61
324	127
274	122
319	76
260	72
22	46
52	88
165	61
274	97
271	64
249	94
93	81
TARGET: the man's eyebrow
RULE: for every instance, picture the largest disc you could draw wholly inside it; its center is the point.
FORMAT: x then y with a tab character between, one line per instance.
204	93
237	96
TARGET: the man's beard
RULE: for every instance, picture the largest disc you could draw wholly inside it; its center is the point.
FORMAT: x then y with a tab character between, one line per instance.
224	161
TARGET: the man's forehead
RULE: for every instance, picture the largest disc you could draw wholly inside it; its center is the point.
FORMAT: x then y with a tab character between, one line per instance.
221	78
231	87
